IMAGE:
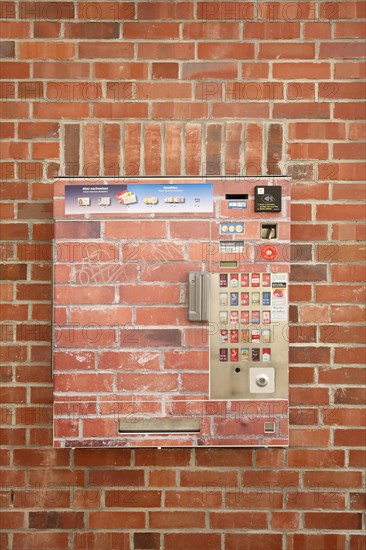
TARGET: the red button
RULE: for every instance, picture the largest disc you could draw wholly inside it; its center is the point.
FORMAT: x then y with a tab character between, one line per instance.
269	252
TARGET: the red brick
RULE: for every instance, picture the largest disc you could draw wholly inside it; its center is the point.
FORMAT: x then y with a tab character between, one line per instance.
320	499
356	130
318	130
166	50
345	273
177	520
342	50
285	50
349	151
308	232
318	29
225	50
350	69
357	458
111	149
343	293
121	110
88	336
14	69
177	110
141	294
209	541
167	457
315	458
86	540
14	29
240	110
61	110
206	478
350	30
133	499
13	272
309	355
238	520
301	110
156	382
151	30
173	147
316	542
106	10
162	478
272	31
285	520
301	375
357	542
193	149
137	337
339	252
255	70
116	520
350	396
219	30
46	29
46	50
61	70
165	70
14	109
165	10
36	540
8	129
30	130
249	541
352	314
336	479
302	71
233	146
153	150
84	294
351	232
203	70
307	151
333	520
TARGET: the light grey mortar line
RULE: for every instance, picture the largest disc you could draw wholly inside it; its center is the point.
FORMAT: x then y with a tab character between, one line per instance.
122	170
62	149
203	149
142	149
101	147
162	148
223	131
183	126
81	125
242	167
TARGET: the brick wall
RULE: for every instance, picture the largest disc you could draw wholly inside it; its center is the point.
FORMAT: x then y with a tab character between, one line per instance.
188	88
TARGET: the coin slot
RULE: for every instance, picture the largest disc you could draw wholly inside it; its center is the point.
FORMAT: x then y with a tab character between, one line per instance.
269	231
231	247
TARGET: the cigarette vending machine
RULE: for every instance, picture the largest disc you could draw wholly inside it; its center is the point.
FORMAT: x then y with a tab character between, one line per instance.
170	312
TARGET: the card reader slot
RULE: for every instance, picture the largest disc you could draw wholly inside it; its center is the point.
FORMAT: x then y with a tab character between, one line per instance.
236	196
